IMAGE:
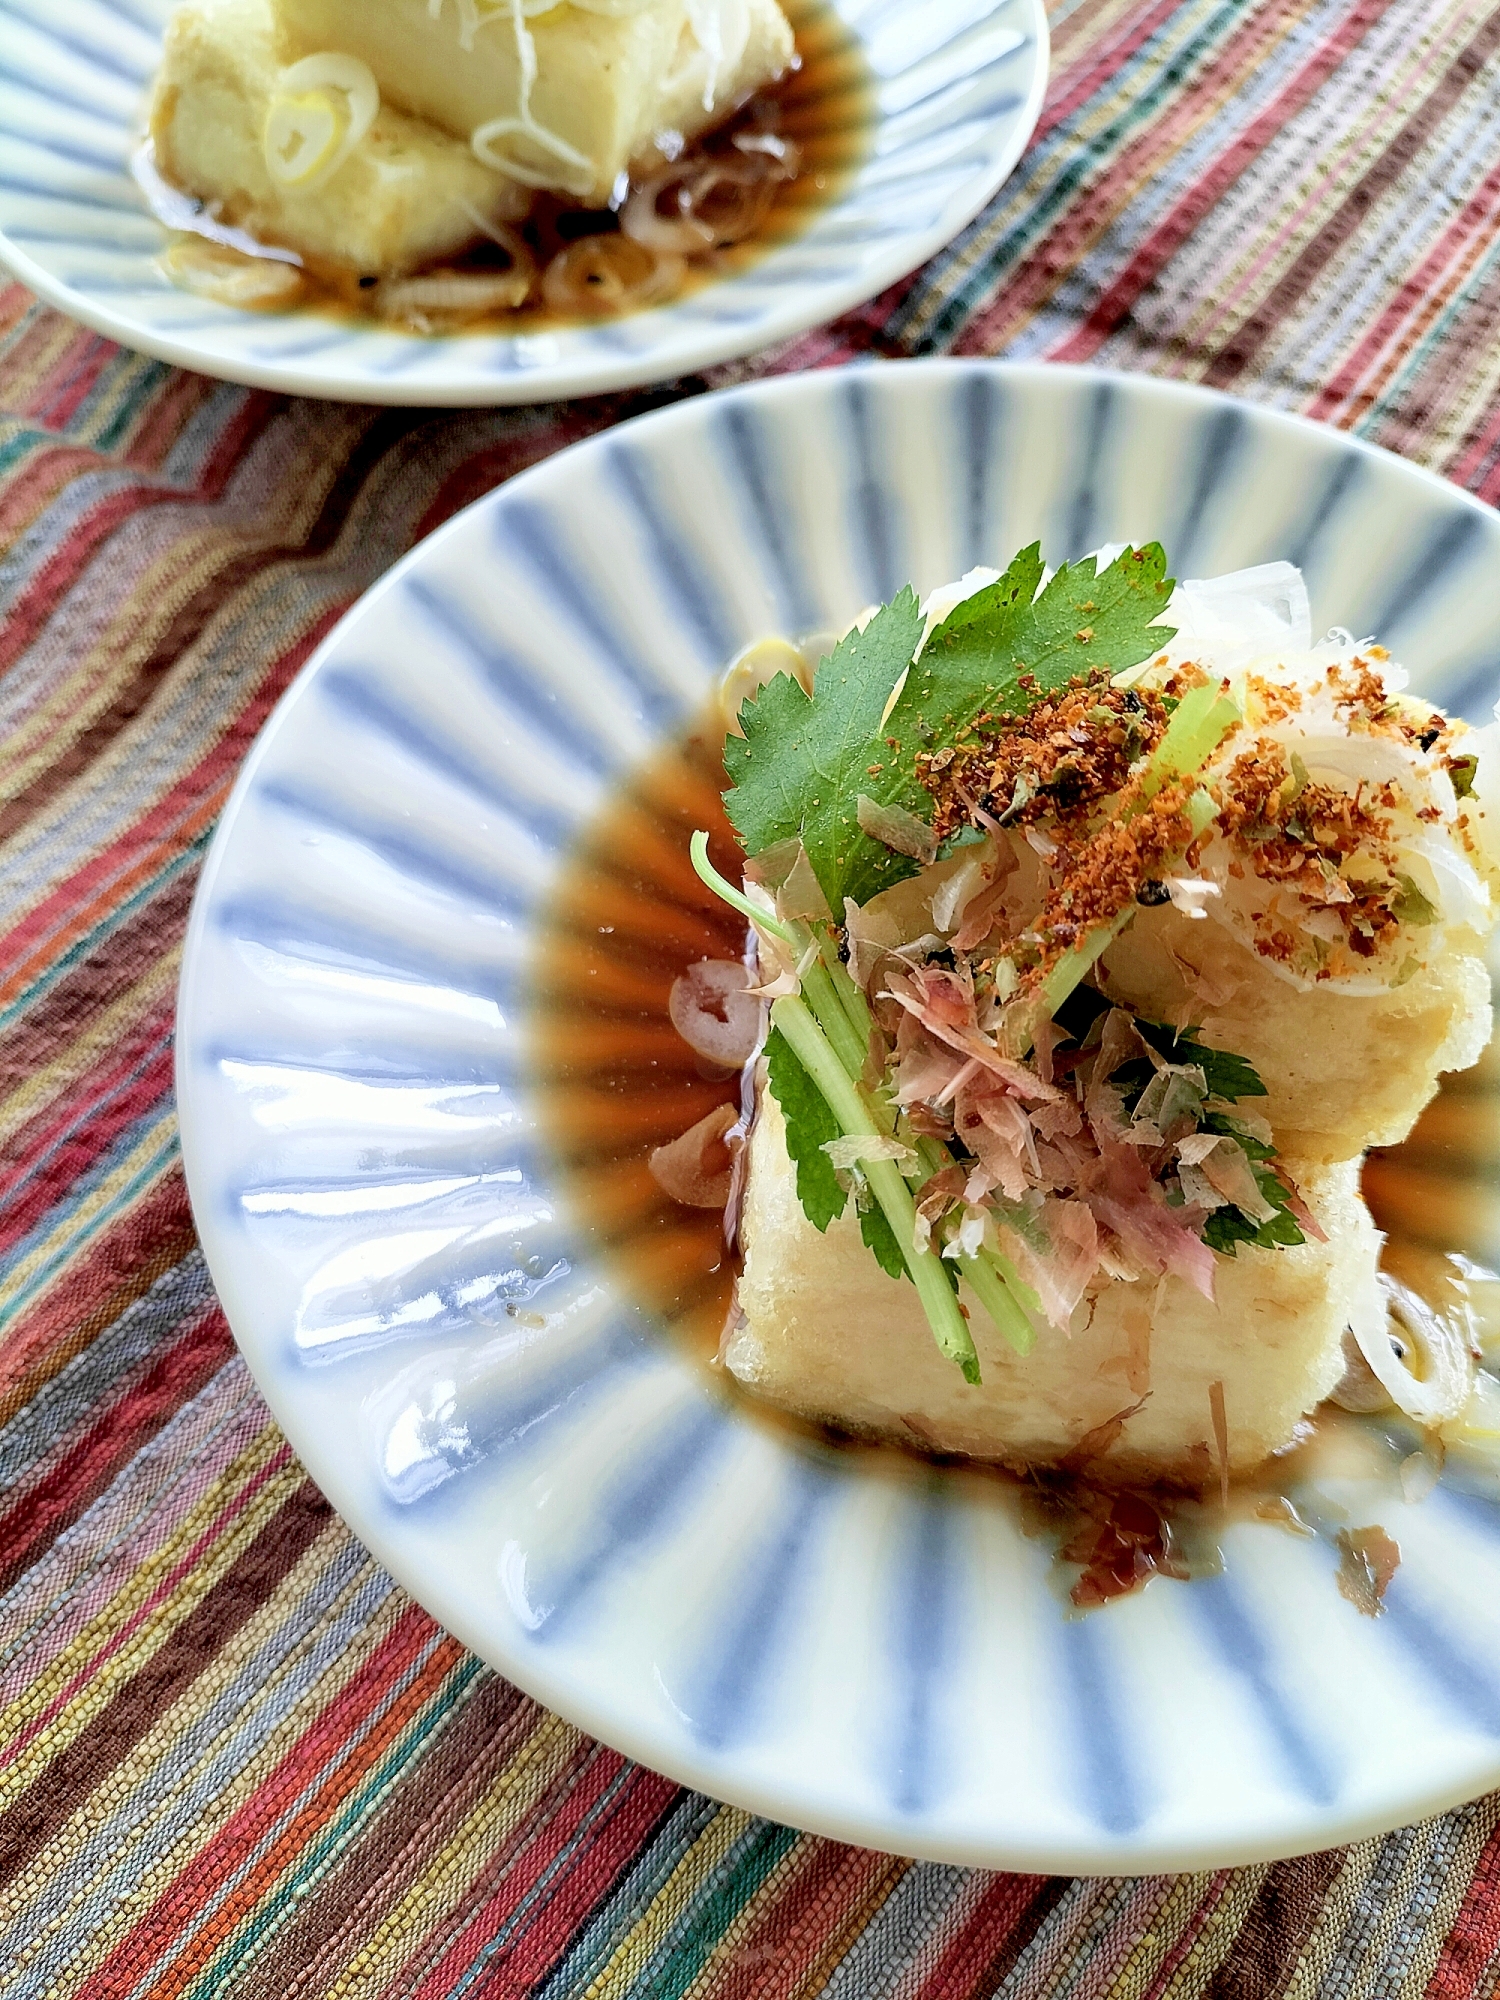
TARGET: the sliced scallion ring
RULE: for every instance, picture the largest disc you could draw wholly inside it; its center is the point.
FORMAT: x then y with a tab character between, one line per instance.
324	105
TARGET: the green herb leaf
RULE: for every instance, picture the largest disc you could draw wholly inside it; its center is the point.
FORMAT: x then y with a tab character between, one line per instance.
1081	623
1227	1075
1226	1228
1254	1149
803	762
881	1239
809	1126
1462	770
1411	906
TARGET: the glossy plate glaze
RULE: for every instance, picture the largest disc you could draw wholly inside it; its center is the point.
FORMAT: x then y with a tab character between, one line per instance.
863	1648
956	90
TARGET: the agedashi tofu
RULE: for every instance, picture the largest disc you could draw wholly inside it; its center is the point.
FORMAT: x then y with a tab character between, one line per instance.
827	1335
576	97
404	195
1343	1071
1104	924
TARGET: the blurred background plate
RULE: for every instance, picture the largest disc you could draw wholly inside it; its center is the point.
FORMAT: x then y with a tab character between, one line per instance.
957	89
863	1647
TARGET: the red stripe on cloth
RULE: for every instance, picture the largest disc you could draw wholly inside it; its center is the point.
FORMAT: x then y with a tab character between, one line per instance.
1189	1935
64	362
82	1147
1418	295
1472	465
214	1532
69	562
1027	289
539	1945
518	449
254	417
164	417
1475	1936
966	1969
1172	232
15	303
34	359
76	905
148	1945
141	1243
37	483
114	1435
74	382
825	1896
1098	66
69	1138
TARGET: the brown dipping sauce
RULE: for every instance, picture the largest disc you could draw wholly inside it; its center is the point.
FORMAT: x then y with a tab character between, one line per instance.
628	914
823	109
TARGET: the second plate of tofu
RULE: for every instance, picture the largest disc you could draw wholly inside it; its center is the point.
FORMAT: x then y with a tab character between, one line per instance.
491	200
1008	1369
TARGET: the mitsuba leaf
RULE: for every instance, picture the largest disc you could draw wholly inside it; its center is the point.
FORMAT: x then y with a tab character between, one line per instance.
809	1126
881	1239
799	770
1254	1149
1082	622
1227	1075
1227	1228
804	761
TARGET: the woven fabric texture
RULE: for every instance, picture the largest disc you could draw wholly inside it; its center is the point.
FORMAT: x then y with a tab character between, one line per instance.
235	1759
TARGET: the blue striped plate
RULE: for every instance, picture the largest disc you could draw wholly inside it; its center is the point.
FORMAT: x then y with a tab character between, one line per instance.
957	88
866	1649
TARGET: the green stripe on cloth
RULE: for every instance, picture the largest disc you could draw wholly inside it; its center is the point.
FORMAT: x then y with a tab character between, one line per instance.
322	1853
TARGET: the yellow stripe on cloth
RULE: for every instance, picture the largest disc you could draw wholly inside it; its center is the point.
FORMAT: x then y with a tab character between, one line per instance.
1145	1961
139	1775
157	1626
664	1912
86	1051
155	1148
440	1889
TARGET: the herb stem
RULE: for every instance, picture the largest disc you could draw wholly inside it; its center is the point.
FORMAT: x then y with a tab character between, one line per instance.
994	1280
814	1051
795	939
851	999
1200	722
1214	720
989	1286
851	1048
1071	969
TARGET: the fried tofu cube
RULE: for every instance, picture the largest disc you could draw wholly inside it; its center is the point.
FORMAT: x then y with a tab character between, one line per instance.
405	196
1343	1071
606	85
827	1335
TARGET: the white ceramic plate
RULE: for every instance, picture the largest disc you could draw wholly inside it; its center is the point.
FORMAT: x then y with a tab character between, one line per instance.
958	88
876	1656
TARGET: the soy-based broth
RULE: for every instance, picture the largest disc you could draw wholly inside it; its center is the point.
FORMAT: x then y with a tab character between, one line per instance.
823	108
615	1077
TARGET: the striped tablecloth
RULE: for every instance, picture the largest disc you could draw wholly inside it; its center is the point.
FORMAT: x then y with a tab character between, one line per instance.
237	1760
